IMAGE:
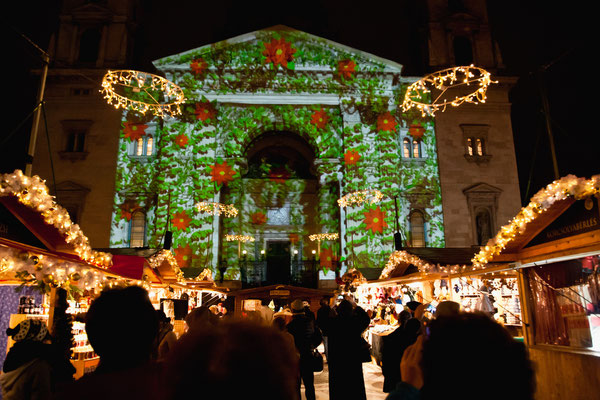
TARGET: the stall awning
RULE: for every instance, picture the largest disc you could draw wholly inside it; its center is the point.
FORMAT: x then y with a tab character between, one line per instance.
128	266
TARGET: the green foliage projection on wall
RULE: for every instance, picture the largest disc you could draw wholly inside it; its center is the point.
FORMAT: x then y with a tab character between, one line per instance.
342	102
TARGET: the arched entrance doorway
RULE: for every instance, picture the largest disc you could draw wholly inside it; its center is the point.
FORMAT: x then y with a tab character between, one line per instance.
278	202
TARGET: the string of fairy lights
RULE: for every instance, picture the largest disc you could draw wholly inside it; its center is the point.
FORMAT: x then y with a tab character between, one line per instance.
33	193
166	255
446	81
370	196
152	86
323	236
215	208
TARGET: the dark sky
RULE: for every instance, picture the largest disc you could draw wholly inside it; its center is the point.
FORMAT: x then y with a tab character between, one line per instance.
531	34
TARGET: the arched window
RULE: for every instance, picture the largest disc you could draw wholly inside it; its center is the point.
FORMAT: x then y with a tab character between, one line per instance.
480	147
89	46
149	145
416	147
417	229
406	148
483	224
470	146
463	51
137	231
139	147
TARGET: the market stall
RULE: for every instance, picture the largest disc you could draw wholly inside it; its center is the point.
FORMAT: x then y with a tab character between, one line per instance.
431	275
554	246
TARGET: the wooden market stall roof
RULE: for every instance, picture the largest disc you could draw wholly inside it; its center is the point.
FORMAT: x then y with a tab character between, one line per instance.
561	219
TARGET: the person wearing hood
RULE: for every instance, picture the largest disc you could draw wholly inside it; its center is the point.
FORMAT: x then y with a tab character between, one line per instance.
28	368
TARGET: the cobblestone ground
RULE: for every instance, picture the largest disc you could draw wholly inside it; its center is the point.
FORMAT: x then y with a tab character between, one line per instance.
373	382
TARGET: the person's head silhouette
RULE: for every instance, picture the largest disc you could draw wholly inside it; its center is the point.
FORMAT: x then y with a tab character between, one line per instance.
121	325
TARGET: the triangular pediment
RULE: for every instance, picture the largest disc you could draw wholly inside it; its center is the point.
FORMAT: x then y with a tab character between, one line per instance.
482	187
91	13
312	52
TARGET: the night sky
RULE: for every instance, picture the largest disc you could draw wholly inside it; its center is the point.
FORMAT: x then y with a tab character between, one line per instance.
531	35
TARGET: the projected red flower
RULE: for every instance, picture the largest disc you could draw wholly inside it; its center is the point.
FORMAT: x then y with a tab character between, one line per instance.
128	208
198	66
386	122
181	140
279	174
346	68
205	110
221	173
258	218
134	131
319	119
375	220
183	255
181	220
278	52
351	157
326	258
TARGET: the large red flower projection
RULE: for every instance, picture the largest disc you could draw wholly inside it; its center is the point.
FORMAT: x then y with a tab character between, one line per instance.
279	174
181	140
198	66
222	173
183	255
205	110
181	220
326	258
128	208
346	68
258	218
386	122
351	157
278	52
134	131
319	119
375	220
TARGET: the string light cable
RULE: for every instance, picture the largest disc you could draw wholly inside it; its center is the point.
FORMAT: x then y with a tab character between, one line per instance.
239	238
446	82
323	236
214	208
155	93
362	196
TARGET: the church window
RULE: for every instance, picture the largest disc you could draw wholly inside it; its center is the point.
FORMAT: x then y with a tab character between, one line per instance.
137	230
463	50
417	229
406	148
89	46
416	147
143	146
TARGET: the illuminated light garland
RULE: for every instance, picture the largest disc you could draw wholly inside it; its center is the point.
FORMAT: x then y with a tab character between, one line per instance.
166	255
213	208
33	193
142	81
31	268
362	196
206	275
323	236
239	238
568	186
447	79
402	256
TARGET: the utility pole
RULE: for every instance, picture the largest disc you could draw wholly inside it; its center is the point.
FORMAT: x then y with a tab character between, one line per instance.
39	102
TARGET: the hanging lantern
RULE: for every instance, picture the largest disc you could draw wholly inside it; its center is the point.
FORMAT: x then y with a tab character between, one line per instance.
416	131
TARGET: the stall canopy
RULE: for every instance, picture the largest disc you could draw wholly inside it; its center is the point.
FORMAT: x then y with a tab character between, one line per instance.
565	213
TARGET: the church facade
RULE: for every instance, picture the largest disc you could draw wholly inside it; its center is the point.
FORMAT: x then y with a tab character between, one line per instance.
281	124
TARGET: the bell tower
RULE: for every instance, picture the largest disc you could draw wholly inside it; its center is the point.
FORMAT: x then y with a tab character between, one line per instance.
459	34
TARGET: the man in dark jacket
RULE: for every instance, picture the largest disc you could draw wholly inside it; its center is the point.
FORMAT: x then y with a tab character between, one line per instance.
306	337
324	314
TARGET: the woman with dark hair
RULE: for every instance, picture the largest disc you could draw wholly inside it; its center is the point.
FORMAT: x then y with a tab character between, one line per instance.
345	365
463	357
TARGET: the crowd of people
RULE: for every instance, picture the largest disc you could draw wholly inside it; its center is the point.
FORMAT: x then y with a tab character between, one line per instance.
266	355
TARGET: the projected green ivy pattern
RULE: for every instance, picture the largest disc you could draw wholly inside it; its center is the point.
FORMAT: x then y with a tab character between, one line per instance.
342	102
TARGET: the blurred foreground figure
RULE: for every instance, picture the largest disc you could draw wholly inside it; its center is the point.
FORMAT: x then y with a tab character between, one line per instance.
462	357
121	325
233	360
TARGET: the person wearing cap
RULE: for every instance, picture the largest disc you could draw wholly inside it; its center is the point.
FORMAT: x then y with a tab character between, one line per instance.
27	371
306	338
